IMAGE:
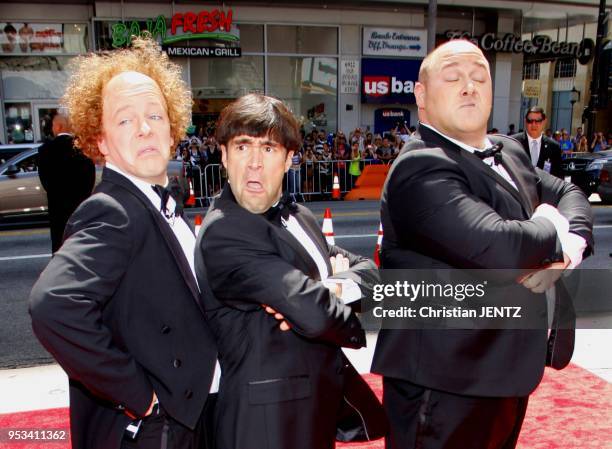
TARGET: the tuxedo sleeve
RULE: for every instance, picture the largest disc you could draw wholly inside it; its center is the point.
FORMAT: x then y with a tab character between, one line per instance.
572	203
44	166
244	271
556	168
431	204
68	300
362	271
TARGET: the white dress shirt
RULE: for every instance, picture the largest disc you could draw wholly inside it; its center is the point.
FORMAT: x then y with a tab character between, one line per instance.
350	290
181	231
535	147
498	168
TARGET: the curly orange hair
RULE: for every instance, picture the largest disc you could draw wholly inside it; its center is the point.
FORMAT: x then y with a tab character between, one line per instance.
91	73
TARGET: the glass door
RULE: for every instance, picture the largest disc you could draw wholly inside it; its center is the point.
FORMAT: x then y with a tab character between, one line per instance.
43	117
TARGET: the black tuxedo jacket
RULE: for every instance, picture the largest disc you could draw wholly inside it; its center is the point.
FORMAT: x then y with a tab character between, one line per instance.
68	176
549	151
118	307
442	207
278	389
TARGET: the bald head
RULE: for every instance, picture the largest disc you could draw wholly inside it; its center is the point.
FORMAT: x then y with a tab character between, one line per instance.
60	124
434	60
454	92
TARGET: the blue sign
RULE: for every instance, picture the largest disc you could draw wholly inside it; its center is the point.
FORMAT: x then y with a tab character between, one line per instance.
385	81
386	119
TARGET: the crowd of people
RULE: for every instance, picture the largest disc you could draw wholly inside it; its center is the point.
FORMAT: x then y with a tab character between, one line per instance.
323	155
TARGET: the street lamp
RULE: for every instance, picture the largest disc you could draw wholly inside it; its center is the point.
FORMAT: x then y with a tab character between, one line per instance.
574	98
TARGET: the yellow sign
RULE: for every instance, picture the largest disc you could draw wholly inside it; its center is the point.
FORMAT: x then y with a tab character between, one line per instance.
531	88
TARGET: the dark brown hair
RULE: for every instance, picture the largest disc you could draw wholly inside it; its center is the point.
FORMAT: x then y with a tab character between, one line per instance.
535	110
257	115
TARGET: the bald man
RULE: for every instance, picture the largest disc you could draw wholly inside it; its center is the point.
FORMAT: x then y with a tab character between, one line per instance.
66	174
449	205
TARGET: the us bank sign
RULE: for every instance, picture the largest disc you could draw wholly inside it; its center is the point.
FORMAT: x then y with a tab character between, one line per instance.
214	27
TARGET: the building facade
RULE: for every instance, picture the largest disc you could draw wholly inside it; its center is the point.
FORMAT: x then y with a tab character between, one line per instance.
338	66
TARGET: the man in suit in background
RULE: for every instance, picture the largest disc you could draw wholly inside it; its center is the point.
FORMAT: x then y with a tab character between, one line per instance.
544	152
257	249
66	174
118	305
447	204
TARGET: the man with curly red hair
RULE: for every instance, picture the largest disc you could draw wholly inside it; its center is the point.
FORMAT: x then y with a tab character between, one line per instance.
118	305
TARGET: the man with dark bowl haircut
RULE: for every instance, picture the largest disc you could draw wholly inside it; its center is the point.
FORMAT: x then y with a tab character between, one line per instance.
118	305
280	388
453	199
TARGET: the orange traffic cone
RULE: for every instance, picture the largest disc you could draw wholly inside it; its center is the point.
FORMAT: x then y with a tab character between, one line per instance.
328	227
336	188
198	223
191	200
378	243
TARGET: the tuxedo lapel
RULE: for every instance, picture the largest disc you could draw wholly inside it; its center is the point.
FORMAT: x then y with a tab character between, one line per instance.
433	139
306	262
302	261
510	164
314	232
164	229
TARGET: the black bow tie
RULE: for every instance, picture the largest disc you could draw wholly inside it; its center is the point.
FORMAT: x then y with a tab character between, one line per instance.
494	151
281	210
173	190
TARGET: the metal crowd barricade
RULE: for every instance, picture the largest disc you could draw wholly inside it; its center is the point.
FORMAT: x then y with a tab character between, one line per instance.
312	181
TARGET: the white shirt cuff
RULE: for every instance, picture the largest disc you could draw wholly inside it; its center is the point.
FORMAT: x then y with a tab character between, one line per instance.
350	289
572	244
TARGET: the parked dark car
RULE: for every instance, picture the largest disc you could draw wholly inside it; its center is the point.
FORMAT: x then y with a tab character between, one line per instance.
9	151
584	168
605	183
22	194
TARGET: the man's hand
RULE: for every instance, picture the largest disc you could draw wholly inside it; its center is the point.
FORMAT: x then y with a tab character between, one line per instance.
284	326
339	264
541	280
153	402
149	410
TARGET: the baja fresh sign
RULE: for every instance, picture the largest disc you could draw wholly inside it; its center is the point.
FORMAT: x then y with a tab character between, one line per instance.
398	42
215	26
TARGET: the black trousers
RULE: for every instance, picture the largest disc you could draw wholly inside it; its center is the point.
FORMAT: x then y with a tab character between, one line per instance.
160	431
421	418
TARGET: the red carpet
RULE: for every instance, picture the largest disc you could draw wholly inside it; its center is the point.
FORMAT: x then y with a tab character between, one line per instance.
571	409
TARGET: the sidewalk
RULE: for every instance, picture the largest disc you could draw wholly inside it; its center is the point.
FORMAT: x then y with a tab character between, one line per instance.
46	386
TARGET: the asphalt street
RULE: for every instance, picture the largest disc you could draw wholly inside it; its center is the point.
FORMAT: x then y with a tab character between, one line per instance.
24	252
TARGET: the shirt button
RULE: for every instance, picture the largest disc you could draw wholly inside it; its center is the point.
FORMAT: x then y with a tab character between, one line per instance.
188	394
354	339
165	329
176	363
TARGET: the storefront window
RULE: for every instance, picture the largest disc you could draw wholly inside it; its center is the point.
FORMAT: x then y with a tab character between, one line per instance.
251	38
43	77
565	68
309	86
226	77
302	39
20	38
18	122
